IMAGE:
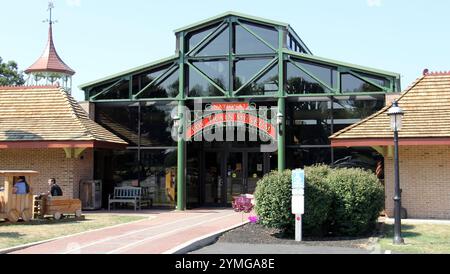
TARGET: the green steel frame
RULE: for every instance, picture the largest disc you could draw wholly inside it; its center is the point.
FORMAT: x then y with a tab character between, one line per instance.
280	56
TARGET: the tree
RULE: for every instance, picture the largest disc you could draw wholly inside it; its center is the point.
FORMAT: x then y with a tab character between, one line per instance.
10	75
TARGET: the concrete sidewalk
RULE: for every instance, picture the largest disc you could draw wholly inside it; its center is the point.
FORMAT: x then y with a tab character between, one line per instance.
237	248
166	232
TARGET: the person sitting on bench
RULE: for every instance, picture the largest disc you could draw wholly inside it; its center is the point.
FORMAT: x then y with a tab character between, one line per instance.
55	190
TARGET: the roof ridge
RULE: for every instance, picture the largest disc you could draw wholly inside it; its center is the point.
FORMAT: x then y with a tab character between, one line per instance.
381	111
29	87
426	72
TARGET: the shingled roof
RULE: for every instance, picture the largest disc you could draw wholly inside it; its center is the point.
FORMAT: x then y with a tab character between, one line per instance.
46	116
426	122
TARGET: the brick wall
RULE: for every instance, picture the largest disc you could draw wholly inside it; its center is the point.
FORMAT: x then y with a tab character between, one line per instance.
425	180
50	163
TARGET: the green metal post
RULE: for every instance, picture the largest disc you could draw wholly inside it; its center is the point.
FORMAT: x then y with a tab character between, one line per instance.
181	145
281	102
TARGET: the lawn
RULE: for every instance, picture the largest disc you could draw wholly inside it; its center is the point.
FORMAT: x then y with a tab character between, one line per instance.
38	230
420	238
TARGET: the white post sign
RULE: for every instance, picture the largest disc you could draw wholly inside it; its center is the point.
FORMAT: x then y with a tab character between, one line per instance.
298	200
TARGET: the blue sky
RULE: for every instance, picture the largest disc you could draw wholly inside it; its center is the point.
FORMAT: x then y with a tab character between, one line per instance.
102	37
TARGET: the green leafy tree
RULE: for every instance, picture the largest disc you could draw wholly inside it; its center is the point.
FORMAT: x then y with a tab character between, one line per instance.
10	74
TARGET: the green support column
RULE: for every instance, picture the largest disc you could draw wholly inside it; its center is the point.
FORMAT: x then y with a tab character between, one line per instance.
282	135
181	144
281	101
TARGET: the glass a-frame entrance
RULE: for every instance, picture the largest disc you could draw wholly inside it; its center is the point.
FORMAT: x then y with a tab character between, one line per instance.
230	171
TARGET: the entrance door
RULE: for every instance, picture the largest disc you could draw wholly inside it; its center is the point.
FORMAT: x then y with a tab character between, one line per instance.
228	173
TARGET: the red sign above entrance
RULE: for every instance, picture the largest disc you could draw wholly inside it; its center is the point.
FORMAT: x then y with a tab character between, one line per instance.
231	113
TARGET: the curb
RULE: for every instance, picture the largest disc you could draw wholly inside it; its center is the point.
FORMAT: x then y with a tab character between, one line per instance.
25	246
202	241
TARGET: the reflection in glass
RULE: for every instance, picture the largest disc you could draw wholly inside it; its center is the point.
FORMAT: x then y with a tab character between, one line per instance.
376	79
309	123
200	87
347	112
302	157
245	69
196	37
326	74
120	119
350	83
121	90
216	70
247	43
298	82
361	157
147	77
156	125
168	88
267	33
265	85
218	46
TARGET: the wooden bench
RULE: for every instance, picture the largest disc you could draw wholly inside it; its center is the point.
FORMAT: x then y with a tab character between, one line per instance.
126	194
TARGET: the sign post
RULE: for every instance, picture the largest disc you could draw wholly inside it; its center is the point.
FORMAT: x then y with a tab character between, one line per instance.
298	200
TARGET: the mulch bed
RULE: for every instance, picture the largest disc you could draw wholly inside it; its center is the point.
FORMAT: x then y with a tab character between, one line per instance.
257	234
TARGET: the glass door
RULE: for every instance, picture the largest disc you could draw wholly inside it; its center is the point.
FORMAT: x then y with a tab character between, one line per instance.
213	180
256	170
235	175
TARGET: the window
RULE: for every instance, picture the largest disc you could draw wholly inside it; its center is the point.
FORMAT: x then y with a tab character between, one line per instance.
298	82
267	84
324	73
217	71
350	83
166	87
198	86
144	79
119	89
194	38
247	43
245	69
219	46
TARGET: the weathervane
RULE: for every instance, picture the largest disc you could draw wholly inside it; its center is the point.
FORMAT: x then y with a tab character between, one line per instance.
51	6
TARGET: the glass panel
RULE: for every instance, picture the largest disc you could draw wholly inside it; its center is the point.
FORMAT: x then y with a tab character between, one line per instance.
376	79
255	170
194	38
158	175
217	71
218	46
268	34
347	112
168	88
213	179
265	85
120	119
235	180
301	157
326	74
119	91
308	123
247	68
156	125
147	77
366	158
247	43
350	83
200	87
298	82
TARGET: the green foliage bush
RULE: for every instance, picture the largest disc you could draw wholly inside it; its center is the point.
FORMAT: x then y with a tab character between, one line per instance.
337	201
357	202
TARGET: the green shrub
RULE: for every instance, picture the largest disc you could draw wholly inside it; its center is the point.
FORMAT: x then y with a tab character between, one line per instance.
318	200
273	200
340	201
358	198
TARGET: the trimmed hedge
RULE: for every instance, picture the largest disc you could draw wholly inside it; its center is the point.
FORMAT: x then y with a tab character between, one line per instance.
337	201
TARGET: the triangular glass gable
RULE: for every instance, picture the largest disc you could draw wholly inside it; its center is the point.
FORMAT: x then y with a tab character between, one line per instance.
219	46
267	84
218	71
352	84
247	43
200	87
246	69
195	37
168	88
298	82
326	74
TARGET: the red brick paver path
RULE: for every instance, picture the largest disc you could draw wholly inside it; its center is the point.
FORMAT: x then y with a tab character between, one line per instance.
165	232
